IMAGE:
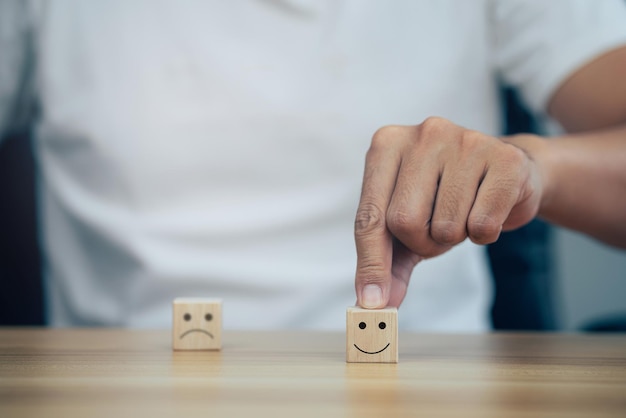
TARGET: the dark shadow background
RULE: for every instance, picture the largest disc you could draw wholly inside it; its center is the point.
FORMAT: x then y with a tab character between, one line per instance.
523	261
21	295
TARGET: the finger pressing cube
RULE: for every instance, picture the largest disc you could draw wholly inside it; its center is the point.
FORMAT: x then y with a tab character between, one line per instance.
371	335
197	324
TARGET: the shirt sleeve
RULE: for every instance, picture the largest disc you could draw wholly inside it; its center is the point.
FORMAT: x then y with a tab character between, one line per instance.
539	43
16	65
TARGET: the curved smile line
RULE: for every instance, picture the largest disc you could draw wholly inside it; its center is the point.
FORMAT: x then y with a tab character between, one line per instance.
372	352
199	330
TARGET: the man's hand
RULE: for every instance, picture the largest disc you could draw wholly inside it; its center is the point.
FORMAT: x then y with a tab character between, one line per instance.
429	187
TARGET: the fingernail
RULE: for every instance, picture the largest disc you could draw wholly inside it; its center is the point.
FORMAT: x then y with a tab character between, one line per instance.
371	296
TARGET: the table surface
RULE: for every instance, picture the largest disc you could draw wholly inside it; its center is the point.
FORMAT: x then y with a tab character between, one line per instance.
106	372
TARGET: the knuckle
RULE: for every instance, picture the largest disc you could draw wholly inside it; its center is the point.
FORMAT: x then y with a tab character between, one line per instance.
484	229
369	219
434	125
437	133
447	232
401	223
383	136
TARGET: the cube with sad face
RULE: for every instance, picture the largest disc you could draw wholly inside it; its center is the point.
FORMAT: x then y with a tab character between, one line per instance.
197	324
371	335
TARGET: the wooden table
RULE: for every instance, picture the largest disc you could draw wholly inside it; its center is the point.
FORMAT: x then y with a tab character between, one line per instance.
113	373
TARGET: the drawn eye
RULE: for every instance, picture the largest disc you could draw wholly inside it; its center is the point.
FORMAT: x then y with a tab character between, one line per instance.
362	325
382	325
187	317
208	317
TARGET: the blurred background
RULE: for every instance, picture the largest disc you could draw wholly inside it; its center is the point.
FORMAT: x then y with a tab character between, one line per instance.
591	283
546	278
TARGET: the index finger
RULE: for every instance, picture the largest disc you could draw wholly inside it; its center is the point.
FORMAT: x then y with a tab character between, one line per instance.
374	244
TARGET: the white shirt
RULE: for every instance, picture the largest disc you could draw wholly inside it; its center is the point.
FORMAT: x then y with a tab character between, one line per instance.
216	149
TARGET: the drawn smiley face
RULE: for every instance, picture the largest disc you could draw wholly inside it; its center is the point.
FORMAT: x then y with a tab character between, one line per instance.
371	335
363	325
197	324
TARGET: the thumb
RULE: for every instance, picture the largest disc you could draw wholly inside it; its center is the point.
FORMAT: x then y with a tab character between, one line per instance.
404	261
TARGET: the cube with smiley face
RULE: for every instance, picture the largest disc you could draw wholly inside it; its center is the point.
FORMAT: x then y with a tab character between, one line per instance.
371	335
197	324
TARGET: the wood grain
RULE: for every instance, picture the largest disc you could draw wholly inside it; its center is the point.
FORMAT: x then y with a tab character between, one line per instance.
105	373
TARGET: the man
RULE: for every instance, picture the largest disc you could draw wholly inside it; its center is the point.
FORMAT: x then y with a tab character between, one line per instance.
216	149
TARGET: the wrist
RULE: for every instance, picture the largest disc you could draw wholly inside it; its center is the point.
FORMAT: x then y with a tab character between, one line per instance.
539	151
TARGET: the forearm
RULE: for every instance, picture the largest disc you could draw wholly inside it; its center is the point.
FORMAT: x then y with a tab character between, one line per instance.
584	181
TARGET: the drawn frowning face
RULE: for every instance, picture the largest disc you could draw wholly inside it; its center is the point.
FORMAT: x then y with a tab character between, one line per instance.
371	335
197	324
208	317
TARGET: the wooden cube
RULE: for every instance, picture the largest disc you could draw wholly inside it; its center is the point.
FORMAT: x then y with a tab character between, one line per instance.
371	335
197	324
